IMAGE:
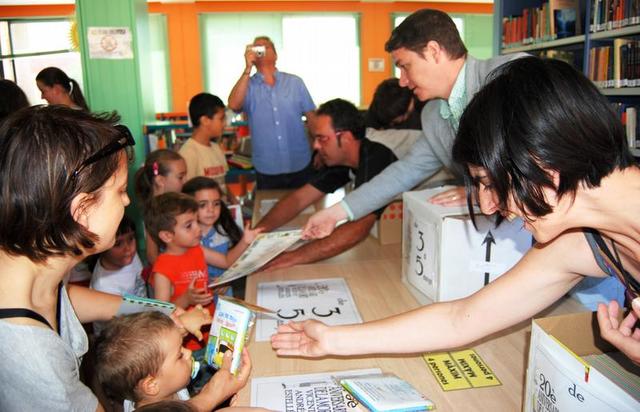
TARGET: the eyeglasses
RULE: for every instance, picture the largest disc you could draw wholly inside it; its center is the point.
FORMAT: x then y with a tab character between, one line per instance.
125	139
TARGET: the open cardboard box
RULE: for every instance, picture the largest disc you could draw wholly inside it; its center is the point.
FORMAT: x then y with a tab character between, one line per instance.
562	376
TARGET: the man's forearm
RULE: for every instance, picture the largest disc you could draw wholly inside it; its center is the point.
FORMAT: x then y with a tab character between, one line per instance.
343	238
289	207
239	91
398	177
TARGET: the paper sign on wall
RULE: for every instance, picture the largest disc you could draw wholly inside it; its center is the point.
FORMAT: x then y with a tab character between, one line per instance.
110	43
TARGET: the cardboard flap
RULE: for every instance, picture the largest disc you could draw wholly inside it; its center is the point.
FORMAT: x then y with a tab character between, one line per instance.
578	331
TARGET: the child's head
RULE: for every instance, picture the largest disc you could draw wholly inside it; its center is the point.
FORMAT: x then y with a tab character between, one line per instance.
140	356
124	250
207	111
168	406
211	209
171	219
163	171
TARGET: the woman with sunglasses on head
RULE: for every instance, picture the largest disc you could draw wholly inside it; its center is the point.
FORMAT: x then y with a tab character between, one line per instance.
539	141
63	181
58	88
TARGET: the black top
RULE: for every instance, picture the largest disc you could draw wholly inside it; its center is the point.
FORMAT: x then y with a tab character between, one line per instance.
374	158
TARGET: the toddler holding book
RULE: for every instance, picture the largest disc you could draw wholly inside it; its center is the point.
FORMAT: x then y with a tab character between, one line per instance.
140	361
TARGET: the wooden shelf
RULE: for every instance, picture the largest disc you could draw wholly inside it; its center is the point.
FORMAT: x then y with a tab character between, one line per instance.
621	91
567	41
611	34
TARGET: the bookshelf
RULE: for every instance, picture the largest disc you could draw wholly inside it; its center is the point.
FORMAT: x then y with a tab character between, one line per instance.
604	43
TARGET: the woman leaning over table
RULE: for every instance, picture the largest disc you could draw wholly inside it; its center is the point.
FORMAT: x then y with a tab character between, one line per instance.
539	142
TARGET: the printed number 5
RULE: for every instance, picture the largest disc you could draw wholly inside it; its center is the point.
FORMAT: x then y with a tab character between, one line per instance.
296	313
419	266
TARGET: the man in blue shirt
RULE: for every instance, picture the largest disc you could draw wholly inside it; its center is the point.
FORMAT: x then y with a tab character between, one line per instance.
274	102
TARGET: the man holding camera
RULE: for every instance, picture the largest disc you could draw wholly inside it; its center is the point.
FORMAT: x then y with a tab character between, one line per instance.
274	102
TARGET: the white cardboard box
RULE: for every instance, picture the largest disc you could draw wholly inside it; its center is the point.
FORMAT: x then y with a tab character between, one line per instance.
445	257
559	379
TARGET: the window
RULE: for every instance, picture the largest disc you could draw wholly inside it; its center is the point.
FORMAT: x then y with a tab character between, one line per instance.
159	63
28	46
322	49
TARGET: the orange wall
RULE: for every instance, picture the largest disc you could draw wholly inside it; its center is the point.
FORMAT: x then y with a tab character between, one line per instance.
184	39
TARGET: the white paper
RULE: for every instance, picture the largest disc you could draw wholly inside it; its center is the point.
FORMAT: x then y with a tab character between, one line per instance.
110	43
327	300
301	393
265	247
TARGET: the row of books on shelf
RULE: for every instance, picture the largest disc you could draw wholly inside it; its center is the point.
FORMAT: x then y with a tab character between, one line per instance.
628	114
613	14
616	64
555	19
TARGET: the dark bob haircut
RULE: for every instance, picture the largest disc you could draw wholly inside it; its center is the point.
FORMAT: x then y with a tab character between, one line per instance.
204	104
40	148
344	116
538	115
424	26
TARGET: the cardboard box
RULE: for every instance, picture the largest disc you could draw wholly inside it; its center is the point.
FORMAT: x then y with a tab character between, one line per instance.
445	257
388	229
559	375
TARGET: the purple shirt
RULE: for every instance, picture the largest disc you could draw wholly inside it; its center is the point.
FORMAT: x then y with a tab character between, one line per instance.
278	139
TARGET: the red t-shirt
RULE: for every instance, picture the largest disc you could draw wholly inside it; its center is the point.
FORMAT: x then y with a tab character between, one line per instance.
181	270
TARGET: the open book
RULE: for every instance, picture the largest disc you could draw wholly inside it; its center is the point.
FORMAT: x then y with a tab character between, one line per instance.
265	247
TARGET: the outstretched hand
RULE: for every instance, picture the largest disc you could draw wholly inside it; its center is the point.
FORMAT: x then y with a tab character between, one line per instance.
307	338
621	334
321	224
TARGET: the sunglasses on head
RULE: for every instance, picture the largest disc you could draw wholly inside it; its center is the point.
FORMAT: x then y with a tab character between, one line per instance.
123	140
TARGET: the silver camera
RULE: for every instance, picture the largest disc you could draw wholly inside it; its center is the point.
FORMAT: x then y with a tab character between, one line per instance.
259	50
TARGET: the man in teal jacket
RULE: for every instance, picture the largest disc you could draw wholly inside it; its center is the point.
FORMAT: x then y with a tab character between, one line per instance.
435	65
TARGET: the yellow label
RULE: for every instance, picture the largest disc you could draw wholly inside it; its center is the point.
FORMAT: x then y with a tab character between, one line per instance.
475	369
446	372
460	370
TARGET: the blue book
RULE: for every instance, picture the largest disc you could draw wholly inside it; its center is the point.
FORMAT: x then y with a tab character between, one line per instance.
386	393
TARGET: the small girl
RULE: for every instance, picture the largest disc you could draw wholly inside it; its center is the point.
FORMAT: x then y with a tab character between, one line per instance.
163	171
222	239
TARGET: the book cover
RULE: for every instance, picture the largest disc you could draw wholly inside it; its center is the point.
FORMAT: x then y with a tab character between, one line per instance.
567	21
386	393
265	247
230	330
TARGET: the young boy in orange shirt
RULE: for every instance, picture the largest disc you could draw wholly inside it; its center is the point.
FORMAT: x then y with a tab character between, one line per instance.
180	272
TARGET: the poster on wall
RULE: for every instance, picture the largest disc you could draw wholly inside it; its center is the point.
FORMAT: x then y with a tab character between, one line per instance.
110	43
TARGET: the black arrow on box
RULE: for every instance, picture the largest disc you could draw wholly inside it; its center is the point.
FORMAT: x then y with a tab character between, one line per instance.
488	240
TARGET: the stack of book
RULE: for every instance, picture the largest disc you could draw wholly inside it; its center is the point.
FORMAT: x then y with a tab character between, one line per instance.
613	14
615	65
628	115
553	20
